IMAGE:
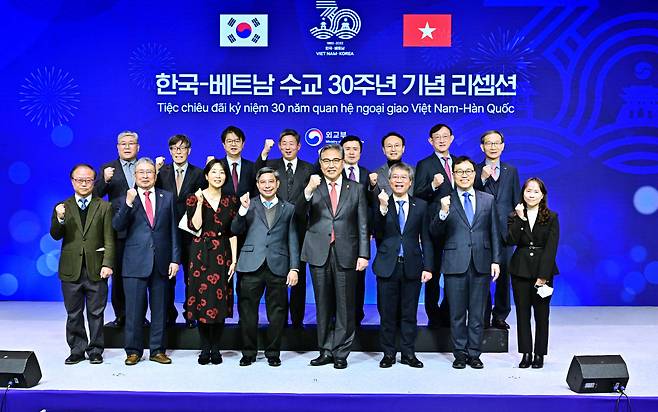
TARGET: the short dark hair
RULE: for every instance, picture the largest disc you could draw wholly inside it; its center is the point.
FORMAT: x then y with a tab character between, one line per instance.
79	165
266	170
351	138
488	132
235	130
291	132
438	127
396	134
180	138
462	159
213	162
332	146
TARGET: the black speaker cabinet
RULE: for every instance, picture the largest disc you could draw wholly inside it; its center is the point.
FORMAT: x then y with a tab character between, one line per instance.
597	374
20	368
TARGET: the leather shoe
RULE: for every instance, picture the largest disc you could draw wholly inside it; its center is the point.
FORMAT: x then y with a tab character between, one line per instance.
387	361
538	362
73	359
160	358
116	323
216	358
412	361
274	361
323	359
190	323
340	363
475	363
500	324
132	359
526	361
204	358
247	360
459	363
95	358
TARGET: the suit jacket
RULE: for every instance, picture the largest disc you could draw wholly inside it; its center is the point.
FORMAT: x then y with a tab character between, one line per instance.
278	244
94	241
149	249
415	233
463	242
350	225
382	181
115	189
371	196
246	180
506	191
536	249
194	180
303	172
425	171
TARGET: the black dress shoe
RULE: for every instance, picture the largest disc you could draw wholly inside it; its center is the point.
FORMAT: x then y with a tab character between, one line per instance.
216	358
459	363
116	323
204	358
95	358
387	361
73	359
340	363
475	363
538	362
274	361
412	361
526	361
247	360
500	324
190	324
323	359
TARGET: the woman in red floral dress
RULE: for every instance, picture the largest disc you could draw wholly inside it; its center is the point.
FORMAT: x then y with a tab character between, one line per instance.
213	254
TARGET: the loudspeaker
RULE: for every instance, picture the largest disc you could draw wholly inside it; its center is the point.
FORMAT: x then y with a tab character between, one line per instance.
597	374
21	368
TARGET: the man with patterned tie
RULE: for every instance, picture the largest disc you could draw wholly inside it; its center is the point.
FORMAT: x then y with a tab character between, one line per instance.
501	180
84	224
471	257
118	176
336	246
181	178
151	257
434	180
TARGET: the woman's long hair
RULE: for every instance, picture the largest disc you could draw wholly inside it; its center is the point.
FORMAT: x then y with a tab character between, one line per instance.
544	213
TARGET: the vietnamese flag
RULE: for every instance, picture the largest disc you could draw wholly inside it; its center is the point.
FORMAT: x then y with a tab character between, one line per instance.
426	30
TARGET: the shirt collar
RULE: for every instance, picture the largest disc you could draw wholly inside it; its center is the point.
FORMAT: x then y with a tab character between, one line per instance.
405	198
126	162
78	197
141	191
231	161
184	167
492	163
293	161
339	182
471	191
440	156
275	200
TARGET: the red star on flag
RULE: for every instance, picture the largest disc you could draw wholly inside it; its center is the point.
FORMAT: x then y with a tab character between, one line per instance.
427	30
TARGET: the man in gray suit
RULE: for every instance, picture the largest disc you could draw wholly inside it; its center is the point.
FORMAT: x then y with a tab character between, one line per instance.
269	259
472	252
336	245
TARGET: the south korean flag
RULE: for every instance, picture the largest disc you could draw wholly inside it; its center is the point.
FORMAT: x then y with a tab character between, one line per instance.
243	30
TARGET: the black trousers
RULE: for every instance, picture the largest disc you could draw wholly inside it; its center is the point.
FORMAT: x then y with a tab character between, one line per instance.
334	289
398	295
117	293
77	295
298	297
437	315
253	285
502	305
527	299
360	297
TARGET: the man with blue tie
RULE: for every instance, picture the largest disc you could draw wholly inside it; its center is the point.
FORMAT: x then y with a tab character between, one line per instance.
150	260
401	226
472	253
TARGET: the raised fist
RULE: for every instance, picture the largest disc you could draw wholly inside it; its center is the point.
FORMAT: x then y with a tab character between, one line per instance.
209	158
445	203
313	183
108	173
244	200
486	172
131	194
438	180
373	179
520	211
267	146
159	162
383	199
60	209
199	196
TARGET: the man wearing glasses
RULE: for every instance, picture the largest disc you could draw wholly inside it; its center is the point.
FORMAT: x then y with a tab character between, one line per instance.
116	178
84	223
182	179
242	177
468	222
501	180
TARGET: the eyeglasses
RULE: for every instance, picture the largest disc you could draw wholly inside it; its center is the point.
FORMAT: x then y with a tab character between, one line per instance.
230	142
178	149
468	172
81	181
493	144
400	177
145	172
130	144
441	138
327	162
393	146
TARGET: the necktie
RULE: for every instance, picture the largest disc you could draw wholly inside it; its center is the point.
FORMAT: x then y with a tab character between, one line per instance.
130	176
148	206
179	180
351	175
468	207
234	176
333	195
290	175
494	173
267	204
446	166
83	203
401	221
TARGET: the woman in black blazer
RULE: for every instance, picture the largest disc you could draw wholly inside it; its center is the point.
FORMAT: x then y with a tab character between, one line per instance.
535	231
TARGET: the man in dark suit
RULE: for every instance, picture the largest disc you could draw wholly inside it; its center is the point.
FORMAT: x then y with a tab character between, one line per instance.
433	181
393	145
352	147
151	257
336	246
242	171
401	227
84	223
269	260
294	174
501	180
182	179
117	177
472	252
